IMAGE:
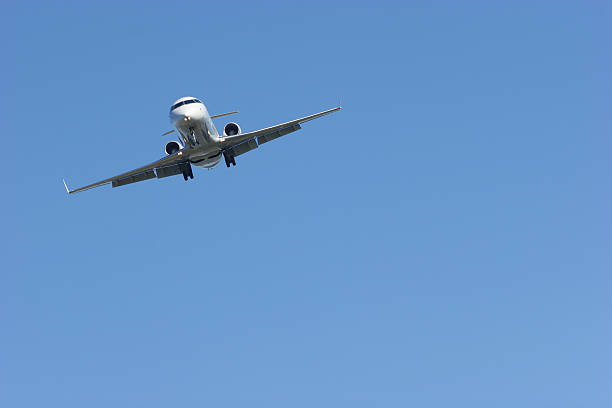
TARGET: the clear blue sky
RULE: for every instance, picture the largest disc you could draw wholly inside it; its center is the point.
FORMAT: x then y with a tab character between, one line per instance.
445	240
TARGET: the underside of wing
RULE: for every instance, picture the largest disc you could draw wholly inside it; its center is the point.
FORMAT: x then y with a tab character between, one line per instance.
244	142
164	167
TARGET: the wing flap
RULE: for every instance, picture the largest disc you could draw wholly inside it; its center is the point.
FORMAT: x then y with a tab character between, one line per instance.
278	133
145	175
173	170
242	148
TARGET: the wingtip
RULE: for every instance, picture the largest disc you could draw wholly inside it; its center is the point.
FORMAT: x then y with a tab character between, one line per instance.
66	185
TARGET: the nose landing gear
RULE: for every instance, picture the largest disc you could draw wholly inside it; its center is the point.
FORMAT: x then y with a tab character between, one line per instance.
194	140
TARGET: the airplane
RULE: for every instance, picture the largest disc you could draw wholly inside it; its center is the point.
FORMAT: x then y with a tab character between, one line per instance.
200	144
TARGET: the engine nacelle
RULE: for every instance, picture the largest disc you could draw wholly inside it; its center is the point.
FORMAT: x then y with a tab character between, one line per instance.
231	129
172	147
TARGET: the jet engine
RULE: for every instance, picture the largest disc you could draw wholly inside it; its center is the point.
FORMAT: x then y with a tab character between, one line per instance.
231	129
172	147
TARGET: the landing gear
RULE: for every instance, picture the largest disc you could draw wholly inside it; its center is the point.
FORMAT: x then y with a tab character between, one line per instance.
194	139
229	159
187	172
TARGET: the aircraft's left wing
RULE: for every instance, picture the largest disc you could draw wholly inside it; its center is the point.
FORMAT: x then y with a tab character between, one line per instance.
164	167
244	142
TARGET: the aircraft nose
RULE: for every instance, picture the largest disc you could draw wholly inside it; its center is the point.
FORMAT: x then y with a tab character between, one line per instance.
185	114
196	114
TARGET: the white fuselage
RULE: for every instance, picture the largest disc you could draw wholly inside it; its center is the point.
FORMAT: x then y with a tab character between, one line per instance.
197	132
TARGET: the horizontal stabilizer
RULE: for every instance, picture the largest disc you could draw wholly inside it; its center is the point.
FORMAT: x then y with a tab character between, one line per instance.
223	114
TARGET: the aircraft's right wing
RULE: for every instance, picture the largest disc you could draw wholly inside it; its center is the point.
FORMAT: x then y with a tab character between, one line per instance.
244	142
166	166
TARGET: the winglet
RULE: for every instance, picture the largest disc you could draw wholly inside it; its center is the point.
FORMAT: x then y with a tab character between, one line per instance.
66	185
340	102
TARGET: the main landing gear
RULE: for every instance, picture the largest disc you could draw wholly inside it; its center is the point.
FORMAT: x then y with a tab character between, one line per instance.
187	172
229	159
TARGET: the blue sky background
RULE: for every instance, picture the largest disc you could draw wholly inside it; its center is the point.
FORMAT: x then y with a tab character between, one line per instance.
444	240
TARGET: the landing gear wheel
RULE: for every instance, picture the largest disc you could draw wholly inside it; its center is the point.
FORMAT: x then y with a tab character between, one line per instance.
187	171
229	160
194	140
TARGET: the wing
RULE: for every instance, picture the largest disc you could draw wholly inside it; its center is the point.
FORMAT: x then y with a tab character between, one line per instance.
244	142
164	167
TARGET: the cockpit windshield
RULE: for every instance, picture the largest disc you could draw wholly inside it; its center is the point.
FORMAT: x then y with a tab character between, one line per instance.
187	102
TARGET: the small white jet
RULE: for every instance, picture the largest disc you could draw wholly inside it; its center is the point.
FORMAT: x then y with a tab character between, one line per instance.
200	144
